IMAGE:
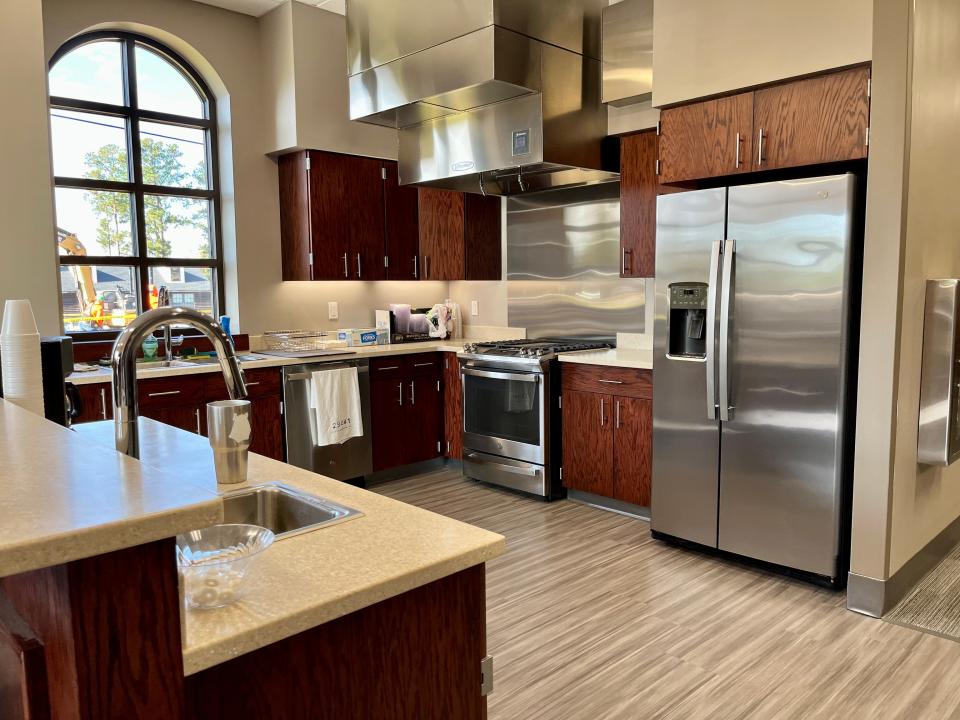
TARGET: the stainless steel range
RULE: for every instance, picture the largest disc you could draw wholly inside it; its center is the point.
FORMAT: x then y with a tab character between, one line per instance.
511	412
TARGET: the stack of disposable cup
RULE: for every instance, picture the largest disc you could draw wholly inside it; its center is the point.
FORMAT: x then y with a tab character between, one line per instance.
20	357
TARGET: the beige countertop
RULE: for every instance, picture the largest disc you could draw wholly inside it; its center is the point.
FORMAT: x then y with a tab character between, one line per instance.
629	358
306	580
103	375
63	498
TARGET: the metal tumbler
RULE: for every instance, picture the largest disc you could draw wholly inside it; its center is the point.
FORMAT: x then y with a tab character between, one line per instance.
228	424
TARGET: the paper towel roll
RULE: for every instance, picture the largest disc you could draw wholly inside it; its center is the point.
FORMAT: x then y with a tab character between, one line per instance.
20	364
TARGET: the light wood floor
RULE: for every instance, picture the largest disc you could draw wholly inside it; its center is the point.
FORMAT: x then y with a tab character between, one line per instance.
589	618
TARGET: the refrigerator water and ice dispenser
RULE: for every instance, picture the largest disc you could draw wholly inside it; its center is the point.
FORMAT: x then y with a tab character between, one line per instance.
688	320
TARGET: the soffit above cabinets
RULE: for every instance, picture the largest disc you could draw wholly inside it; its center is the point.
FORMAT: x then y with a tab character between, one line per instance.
261	7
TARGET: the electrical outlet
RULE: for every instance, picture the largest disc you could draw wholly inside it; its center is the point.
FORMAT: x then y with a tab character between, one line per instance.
333	311
474	307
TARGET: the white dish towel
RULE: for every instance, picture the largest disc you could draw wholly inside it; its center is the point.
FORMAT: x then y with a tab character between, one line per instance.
335	400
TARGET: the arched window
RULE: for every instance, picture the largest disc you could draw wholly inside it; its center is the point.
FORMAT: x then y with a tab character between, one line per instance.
135	175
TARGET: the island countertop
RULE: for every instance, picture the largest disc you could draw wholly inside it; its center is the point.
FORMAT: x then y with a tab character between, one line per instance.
63	498
306	580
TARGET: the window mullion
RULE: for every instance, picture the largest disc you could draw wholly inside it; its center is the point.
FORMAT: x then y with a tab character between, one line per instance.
133	140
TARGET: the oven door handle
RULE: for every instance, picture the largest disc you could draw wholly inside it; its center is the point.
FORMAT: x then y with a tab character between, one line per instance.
497	375
525	471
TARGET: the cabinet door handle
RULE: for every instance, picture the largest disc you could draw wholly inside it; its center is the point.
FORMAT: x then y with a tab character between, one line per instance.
416	267
760	148
616	422
413	394
429	364
196	414
251	384
103	403
612	382
400	385
346	270
359	268
623	261
603	417
163	394
736	162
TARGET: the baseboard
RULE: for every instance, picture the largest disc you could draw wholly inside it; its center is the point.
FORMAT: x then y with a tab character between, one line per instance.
605	503
405	471
874	597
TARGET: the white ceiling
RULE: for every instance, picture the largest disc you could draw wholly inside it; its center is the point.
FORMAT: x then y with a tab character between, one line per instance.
259	7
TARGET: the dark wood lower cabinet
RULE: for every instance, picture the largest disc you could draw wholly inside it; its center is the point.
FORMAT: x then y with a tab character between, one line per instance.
608	432
406	408
387	417
24	692
110	626
181	401
633	450
452	406
412	657
100	640
588	442
96	402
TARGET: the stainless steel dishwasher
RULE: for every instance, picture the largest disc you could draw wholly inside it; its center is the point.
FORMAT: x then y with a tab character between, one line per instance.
352	459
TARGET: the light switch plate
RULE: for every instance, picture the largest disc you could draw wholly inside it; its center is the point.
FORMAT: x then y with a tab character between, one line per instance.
333	310
474	307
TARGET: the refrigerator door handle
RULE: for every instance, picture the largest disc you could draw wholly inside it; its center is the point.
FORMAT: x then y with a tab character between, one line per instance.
712	291
726	293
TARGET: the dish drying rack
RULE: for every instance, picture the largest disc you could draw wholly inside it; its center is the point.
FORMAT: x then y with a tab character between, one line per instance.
301	340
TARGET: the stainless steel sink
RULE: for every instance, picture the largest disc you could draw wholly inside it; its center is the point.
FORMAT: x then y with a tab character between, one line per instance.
283	510
164	364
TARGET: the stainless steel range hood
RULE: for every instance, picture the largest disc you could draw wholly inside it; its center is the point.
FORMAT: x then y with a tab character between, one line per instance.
489	96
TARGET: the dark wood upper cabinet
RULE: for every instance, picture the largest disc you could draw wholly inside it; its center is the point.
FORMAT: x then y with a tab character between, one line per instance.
706	139
441	234
459	236
482	247
817	120
346	215
638	204
401	213
296	237
332	222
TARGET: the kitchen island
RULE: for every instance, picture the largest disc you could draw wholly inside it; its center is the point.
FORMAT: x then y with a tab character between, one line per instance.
380	616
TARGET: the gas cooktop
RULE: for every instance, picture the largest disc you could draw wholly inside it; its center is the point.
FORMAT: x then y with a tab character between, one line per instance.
544	349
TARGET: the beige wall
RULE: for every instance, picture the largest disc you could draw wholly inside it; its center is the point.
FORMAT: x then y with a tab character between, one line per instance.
307	74
926	499
880	312
28	264
704	47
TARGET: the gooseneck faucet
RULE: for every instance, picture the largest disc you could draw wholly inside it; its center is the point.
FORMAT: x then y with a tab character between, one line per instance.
123	360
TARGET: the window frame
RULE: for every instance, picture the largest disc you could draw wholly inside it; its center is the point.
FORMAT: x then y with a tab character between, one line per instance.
132	115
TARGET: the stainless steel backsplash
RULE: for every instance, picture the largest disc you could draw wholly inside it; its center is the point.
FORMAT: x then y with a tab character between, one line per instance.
563	265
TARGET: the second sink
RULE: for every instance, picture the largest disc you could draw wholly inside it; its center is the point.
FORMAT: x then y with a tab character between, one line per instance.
282	509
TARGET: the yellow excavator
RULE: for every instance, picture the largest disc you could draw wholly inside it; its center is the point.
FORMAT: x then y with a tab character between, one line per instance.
83	275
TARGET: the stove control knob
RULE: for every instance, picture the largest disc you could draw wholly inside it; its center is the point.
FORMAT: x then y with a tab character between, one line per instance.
541	351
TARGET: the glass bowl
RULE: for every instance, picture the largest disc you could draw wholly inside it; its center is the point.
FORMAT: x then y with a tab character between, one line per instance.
214	562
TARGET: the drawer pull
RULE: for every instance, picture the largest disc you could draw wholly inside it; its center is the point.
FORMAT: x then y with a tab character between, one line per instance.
163	394
612	382
392	367
423	364
251	384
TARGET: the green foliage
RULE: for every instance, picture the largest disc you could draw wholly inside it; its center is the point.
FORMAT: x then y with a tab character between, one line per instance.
161	164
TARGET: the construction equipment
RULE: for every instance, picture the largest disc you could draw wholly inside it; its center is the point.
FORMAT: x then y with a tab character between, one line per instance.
91	306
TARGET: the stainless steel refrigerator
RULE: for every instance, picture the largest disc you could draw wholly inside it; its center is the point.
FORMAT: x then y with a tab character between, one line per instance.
751	358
